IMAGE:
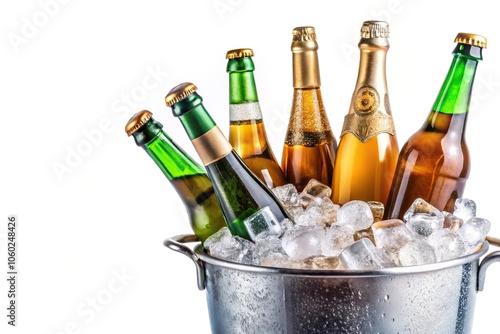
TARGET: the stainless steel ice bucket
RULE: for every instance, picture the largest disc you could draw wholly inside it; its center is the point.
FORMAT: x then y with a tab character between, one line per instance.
435	298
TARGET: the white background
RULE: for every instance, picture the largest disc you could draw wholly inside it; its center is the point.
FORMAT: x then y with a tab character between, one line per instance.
92	206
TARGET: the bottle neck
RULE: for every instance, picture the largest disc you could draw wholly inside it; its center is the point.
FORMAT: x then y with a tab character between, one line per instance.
243	99
455	93
305	64
372	68
370	112
168	156
208	140
242	87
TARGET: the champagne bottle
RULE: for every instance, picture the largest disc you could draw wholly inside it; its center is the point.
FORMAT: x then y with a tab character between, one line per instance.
368	148
239	191
247	133
187	177
434	163
310	146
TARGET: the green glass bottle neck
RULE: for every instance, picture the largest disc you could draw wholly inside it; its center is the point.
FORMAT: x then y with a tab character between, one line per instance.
168	156
455	93
242	88
193	116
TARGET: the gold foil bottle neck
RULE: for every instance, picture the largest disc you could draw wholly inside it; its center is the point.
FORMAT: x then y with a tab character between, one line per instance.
305	58
471	39
302	34
179	93
239	53
137	121
375	29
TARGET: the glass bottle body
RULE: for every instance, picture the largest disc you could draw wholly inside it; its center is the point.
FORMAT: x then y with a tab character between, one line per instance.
310	148
364	171
434	165
240	193
249	141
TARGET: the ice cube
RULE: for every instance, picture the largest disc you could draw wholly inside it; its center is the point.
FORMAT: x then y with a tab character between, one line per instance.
312	216
391	235
363	254
287	194
294	211
447	245
222	244
377	210
465	208
321	212
303	241
336	239
416	252
422	225
452	222
421	206
473	233
262	221
356	215
286	224
314	191
265	246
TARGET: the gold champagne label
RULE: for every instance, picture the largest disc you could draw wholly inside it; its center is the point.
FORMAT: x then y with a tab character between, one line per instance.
368	118
212	146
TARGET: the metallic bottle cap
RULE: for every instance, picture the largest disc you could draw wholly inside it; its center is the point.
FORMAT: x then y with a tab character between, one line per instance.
137	121
302	34
179	93
375	29
239	53
471	39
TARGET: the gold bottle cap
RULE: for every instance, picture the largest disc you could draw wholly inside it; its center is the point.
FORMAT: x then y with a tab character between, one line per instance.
179	93
375	29
471	39
302	34
239	53
137	121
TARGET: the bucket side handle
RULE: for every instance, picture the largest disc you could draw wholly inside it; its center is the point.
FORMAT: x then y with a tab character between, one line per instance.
177	244
485	263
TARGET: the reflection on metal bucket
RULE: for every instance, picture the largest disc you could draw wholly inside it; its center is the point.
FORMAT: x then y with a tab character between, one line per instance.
436	298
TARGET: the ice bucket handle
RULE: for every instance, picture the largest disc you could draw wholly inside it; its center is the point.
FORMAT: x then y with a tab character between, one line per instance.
177	244
486	262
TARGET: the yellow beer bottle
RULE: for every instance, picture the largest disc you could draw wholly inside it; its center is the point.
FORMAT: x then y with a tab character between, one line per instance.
247	133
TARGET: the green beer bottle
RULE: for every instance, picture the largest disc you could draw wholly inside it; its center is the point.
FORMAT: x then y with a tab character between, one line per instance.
434	163
247	133
187	177
239	191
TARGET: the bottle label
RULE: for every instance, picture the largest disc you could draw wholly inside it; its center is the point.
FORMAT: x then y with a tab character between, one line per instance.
212	146
244	112
367	119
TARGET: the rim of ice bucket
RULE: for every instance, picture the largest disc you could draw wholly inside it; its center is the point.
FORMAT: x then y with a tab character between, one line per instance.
345	273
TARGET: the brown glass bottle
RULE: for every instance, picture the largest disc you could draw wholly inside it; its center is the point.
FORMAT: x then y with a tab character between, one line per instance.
310	146
247	133
368	148
434	163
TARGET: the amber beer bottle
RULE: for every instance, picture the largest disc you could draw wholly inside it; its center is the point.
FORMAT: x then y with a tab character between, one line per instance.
434	163
368	148
239	191
247	133
187	177
310	146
